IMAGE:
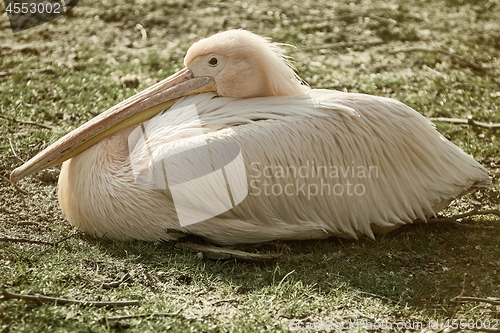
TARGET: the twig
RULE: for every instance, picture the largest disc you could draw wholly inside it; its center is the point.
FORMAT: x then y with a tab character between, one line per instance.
27	122
461	300
345	44
116	284
388	21
214	252
23	240
473	84
224	301
460	297
5	179
364	315
142	30
25	222
59	242
46	299
65	238
14	152
144	315
468	121
453	219
474	212
428	49
375	295
33	241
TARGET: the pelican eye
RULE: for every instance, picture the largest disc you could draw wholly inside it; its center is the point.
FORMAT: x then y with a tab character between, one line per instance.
213	61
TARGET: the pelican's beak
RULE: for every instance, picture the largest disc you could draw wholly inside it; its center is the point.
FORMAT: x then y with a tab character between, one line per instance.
131	111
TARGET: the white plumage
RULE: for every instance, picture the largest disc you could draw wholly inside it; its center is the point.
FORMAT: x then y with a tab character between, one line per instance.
419	172
318	163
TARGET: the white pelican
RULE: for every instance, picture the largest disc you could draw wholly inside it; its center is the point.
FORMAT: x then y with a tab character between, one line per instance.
318	163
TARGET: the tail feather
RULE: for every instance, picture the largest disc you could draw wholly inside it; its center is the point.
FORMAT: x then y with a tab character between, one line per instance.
483	184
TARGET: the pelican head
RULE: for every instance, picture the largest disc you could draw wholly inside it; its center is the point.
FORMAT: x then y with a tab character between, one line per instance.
235	63
243	65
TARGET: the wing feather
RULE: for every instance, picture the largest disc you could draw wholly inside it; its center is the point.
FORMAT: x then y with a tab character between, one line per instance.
417	169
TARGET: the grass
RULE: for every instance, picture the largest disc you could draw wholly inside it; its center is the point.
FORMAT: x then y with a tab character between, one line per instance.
69	70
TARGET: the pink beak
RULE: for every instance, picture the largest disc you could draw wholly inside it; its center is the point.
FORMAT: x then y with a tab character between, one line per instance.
131	111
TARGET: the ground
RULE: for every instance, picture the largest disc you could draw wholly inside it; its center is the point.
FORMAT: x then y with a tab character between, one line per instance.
58	75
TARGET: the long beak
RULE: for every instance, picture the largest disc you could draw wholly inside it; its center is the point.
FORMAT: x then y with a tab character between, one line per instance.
131	111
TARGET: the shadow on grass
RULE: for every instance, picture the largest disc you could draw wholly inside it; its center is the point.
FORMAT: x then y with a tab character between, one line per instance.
420	265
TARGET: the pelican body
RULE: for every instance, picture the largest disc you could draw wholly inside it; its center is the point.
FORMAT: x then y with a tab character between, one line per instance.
318	163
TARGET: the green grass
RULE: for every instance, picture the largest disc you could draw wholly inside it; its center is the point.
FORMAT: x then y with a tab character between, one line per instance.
72	72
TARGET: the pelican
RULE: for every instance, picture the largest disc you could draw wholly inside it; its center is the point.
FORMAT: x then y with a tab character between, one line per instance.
299	163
